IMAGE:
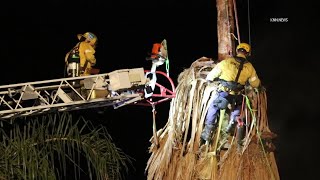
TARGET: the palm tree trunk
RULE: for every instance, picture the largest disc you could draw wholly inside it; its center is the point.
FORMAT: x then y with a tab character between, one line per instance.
225	27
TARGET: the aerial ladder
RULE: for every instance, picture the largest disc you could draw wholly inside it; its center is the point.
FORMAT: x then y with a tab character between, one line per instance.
118	88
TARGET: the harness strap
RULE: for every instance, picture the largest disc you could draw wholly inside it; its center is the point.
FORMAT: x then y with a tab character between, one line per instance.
242	61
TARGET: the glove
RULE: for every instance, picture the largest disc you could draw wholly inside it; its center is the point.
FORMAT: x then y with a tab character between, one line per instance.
260	88
247	89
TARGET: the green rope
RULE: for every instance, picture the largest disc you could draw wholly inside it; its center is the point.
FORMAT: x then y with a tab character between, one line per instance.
167	66
259	135
167	59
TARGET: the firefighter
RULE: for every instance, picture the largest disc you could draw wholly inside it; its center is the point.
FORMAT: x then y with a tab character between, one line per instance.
232	74
81	58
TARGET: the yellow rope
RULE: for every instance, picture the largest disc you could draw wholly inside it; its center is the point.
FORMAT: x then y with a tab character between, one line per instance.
222	113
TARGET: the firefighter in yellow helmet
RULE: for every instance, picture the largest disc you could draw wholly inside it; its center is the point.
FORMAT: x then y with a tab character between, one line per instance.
81	58
233	74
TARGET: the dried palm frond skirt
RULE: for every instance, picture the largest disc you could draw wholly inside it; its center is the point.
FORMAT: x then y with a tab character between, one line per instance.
179	155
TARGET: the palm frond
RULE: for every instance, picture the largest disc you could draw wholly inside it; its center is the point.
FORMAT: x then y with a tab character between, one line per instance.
53	145
180	155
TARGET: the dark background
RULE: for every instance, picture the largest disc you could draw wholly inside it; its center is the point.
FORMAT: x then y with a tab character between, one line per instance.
36	36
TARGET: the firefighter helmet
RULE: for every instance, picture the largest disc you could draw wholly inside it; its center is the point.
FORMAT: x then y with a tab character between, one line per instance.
89	36
244	46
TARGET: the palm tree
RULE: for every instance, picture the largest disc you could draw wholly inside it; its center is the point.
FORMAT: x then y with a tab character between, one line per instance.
53	145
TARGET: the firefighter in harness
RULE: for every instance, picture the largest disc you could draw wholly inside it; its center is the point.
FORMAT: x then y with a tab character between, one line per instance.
79	61
81	58
233	74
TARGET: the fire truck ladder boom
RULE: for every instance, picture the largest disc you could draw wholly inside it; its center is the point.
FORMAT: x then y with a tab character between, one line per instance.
117	89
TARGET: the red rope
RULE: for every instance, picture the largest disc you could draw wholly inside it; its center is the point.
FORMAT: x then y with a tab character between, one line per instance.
236	17
240	122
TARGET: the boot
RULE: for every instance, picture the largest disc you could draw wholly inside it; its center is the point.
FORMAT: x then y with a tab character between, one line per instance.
206	133
224	142
230	128
240	138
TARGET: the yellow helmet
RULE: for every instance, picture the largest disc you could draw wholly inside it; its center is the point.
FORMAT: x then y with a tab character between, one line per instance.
244	46
90	37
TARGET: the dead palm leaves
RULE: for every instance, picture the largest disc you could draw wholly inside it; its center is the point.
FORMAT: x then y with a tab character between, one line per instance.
179	155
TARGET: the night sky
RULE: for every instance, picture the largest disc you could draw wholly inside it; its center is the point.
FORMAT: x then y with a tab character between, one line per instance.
35	38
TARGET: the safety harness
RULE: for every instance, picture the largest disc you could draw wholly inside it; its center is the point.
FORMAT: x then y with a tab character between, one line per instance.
234	85
239	120
242	61
74	55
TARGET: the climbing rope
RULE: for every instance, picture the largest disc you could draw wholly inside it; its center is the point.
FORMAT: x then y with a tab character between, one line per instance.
154	128
167	66
237	22
249	29
259	135
229	49
236	17
222	114
167	59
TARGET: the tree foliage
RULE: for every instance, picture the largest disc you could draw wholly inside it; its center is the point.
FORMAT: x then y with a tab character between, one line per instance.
53	145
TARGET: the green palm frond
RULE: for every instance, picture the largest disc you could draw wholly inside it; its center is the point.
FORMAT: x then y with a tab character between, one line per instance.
45	146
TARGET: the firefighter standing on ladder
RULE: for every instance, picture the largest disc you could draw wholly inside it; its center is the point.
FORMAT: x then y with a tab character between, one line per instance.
79	61
81	58
232	73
